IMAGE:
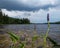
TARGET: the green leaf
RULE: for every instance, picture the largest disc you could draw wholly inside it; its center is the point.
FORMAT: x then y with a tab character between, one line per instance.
34	38
52	41
13	37
21	45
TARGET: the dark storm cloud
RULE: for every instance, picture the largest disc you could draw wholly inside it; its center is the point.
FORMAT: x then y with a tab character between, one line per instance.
13	5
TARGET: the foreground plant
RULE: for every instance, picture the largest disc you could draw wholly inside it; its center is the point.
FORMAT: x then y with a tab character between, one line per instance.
15	39
46	35
55	44
34	38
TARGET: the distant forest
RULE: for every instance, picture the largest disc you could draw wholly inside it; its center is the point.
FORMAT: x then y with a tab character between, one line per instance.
5	19
56	22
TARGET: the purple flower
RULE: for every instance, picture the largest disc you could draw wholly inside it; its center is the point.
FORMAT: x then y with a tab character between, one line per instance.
48	17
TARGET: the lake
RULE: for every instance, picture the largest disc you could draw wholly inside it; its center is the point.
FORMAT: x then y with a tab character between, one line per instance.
40	28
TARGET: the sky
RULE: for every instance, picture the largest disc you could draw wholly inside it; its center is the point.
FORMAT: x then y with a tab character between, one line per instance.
35	10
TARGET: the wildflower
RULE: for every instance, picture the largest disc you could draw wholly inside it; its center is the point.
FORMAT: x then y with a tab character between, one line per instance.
45	41
48	17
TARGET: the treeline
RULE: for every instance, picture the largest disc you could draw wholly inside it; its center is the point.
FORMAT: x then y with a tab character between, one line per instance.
4	19
56	22
53	22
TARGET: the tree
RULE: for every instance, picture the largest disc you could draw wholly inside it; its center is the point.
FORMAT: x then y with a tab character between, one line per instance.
4	19
1	17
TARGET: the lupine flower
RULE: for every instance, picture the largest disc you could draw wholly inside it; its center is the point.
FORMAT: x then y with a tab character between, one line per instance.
45	37
48	17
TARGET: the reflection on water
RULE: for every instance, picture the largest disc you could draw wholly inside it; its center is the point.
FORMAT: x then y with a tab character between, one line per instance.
40	28
1	31
1	26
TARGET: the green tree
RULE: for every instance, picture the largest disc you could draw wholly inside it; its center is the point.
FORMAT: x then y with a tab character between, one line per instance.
4	19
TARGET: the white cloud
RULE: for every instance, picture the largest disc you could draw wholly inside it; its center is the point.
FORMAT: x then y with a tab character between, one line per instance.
35	17
54	14
38	3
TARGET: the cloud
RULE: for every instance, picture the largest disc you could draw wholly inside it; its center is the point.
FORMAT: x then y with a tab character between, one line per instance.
16	13
35	17
28	5
54	15
37	3
35	10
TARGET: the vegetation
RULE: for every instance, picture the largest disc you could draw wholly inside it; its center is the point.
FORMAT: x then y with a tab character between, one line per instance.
28	42
46	35
53	22
56	22
55	44
4	19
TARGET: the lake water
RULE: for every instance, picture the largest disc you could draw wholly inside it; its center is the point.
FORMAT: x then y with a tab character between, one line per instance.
40	28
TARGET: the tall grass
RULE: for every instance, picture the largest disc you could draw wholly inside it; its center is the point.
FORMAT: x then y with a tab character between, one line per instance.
46	35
